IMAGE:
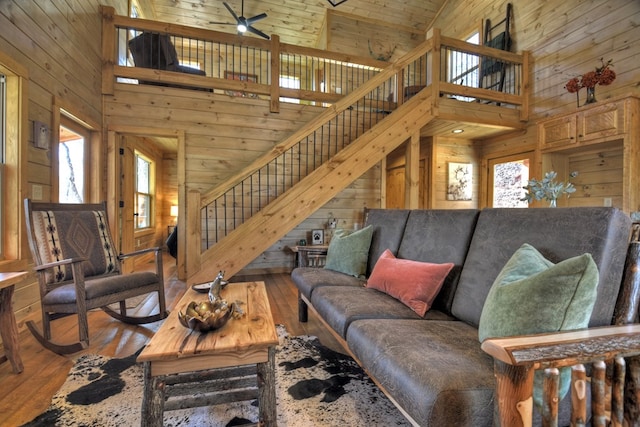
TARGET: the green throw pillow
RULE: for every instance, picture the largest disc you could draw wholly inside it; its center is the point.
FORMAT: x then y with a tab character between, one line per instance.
533	295
348	251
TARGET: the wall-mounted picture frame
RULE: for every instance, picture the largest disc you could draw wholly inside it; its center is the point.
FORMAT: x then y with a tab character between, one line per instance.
244	77
317	237
459	182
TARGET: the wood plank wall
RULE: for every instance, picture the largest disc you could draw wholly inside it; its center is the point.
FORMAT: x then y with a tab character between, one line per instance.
225	133
566	39
58	42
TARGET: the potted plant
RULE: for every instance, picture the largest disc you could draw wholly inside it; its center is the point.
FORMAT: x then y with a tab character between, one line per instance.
548	188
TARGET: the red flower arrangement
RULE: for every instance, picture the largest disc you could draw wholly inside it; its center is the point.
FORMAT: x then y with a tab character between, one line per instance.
602	75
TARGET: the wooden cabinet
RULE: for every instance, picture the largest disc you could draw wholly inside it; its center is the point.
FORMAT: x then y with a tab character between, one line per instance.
600	142
584	127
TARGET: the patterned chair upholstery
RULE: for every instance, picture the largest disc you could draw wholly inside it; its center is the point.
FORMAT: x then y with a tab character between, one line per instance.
79	269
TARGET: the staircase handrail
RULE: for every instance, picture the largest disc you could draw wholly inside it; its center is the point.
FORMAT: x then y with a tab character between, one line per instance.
329	114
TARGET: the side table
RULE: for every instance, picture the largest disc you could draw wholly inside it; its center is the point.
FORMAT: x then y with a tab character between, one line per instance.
8	326
311	255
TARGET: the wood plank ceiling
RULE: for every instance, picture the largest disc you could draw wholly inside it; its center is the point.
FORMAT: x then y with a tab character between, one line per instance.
298	22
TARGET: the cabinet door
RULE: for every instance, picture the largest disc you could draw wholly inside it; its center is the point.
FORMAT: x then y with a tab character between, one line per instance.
600	122
558	132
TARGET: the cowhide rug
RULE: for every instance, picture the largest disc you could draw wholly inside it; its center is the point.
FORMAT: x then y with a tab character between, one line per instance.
315	386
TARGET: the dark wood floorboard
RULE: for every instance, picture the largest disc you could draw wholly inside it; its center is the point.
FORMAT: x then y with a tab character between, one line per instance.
23	396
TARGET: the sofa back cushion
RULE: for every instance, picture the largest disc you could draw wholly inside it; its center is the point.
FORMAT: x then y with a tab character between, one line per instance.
388	226
440	236
558	234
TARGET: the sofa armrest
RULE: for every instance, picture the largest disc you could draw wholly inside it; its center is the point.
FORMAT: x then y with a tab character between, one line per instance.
517	358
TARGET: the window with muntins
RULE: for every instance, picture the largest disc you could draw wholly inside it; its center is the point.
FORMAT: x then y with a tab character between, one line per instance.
143	193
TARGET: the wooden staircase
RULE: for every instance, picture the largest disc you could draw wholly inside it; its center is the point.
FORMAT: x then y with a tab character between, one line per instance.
282	215
432	103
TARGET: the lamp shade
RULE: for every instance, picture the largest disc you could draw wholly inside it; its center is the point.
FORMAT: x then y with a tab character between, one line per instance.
174	210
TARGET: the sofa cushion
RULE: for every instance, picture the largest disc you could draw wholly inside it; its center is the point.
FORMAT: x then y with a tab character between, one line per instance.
307	279
348	251
414	283
435	370
340	306
439	236
388	228
558	234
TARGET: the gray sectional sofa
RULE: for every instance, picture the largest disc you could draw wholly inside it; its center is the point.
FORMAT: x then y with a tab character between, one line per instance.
432	367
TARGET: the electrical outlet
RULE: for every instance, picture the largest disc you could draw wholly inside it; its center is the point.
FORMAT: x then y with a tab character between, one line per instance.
607	202
36	192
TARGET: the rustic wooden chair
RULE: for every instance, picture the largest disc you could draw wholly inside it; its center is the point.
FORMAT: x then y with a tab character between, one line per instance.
605	365
79	270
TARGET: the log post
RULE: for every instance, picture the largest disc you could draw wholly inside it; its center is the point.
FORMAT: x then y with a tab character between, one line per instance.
578	396
550	397
514	395
598	386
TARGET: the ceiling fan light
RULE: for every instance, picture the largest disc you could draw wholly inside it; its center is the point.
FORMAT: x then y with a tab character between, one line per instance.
242	28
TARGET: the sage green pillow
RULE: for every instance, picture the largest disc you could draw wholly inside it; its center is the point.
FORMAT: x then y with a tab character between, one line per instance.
348	251
533	295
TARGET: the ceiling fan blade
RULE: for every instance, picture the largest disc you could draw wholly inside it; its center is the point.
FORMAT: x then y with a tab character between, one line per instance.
230	10
256	18
257	32
222	23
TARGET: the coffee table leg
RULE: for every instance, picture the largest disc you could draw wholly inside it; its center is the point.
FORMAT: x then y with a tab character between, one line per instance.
267	390
152	399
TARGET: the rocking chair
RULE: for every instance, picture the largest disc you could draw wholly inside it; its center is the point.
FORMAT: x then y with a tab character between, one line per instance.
79	270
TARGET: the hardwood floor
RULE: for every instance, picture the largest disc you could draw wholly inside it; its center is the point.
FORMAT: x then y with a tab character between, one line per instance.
23	396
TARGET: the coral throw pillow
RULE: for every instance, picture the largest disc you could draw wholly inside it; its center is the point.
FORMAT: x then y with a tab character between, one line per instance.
414	283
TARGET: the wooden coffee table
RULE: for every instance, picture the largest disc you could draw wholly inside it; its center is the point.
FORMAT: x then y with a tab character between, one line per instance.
184	369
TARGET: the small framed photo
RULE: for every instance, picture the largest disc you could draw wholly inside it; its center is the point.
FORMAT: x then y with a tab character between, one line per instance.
317	237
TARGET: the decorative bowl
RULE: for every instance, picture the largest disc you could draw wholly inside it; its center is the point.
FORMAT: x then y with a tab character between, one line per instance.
206	316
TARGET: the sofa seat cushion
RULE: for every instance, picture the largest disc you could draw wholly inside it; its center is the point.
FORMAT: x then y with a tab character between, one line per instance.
339	306
307	279
435	370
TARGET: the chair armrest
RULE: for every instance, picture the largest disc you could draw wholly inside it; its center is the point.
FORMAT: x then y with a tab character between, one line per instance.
560	349
59	263
139	252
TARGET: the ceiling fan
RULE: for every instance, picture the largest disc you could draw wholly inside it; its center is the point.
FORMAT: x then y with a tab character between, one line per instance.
244	24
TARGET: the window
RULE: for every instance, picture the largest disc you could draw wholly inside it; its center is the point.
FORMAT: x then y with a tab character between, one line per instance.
464	68
3	127
508	176
290	82
143	193
14	141
71	170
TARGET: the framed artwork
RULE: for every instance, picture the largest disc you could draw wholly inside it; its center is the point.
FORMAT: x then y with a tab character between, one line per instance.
230	75
317	237
459	181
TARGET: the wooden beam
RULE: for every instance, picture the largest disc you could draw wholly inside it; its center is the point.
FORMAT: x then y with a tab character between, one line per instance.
412	172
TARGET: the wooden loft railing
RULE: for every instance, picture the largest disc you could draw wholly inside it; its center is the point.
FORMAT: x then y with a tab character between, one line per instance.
227	63
445	73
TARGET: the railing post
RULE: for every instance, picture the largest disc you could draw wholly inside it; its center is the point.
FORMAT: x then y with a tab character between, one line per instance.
108	49
193	233
525	91
435	69
275	74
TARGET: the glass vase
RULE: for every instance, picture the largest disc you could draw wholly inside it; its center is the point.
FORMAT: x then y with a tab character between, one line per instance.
591	95
553	203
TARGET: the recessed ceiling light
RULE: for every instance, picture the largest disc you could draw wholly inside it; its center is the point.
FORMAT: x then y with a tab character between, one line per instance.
457	131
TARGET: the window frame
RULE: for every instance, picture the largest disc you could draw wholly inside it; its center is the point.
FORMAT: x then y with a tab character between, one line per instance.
14	183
